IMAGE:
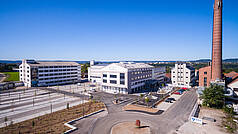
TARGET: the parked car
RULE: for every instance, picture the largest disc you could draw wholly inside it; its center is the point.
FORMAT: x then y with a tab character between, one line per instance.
177	92
168	100
182	90
185	88
173	99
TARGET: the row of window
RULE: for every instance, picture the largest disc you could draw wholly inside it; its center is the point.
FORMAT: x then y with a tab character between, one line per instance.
54	74
26	71
180	76
95	77
59	70
141	77
57	66
141	69
181	83
140	72
24	79
122	75
138	82
114	82
58	77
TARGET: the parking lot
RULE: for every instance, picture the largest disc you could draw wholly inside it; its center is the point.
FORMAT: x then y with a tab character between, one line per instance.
19	105
165	105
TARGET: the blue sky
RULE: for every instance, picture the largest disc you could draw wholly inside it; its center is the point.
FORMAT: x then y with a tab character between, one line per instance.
114	29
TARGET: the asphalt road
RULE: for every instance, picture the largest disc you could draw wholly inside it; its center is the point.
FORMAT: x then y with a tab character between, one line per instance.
170	120
164	123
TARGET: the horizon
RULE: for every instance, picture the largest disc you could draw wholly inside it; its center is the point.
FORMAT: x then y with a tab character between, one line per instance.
113	60
114	31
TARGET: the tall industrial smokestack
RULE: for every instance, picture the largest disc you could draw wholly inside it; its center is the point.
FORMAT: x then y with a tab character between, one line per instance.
217	41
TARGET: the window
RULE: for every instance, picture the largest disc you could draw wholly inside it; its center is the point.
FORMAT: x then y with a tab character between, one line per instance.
113	81
122	82
205	81
104	75
113	76
104	81
205	72
122	75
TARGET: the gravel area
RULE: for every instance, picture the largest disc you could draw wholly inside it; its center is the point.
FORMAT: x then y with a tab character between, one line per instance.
208	127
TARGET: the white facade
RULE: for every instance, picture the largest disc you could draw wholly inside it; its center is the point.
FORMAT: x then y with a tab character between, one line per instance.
123	77
95	73
34	73
182	75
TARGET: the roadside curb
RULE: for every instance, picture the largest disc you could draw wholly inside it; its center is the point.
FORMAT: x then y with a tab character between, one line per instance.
73	128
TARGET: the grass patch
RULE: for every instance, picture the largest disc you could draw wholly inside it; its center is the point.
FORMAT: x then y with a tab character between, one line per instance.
52	123
12	76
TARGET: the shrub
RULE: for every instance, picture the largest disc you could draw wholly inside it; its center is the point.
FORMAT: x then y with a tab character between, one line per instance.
214	96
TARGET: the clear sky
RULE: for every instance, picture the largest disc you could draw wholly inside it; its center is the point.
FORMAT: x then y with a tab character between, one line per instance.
114	29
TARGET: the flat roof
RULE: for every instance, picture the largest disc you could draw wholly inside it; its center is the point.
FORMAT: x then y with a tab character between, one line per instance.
53	64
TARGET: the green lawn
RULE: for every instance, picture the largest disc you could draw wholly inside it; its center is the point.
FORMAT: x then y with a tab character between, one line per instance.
12	76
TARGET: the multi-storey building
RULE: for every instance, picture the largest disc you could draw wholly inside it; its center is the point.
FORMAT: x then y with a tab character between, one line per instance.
182	75
126	77
158	74
34	73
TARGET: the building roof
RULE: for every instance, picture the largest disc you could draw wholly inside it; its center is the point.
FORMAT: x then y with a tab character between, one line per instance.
236	80
232	75
54	64
131	65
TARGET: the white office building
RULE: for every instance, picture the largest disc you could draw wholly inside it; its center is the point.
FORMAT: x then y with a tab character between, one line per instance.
124	77
34	73
182	75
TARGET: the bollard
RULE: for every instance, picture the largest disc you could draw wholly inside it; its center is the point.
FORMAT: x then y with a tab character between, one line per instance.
138	123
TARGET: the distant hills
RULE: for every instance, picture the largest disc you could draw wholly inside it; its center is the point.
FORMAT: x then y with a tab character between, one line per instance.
232	60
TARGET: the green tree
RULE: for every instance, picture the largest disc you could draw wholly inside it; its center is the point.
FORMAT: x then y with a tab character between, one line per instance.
141	96
84	69
213	96
147	100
